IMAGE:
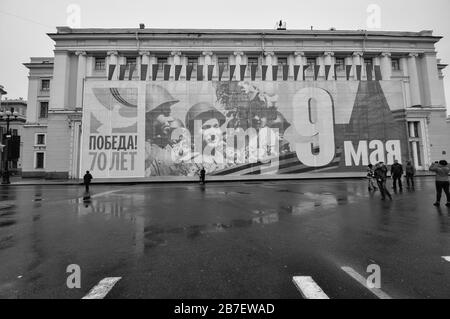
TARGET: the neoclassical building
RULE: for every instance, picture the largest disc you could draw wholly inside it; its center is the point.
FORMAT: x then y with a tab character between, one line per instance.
370	77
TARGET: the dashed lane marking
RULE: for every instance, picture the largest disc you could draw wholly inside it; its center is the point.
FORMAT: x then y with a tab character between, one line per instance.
102	288
308	288
376	291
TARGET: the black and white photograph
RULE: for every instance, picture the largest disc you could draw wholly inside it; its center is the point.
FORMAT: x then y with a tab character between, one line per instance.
216	158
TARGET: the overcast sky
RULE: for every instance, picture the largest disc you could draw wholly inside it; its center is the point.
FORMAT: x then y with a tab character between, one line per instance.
24	24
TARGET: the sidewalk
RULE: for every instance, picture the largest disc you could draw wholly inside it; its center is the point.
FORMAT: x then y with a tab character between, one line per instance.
18	181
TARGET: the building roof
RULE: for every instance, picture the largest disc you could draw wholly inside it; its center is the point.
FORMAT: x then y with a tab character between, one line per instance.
93	32
14	102
40	62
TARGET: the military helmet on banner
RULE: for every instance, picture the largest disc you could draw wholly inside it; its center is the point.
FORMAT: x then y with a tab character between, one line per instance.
158	99
202	111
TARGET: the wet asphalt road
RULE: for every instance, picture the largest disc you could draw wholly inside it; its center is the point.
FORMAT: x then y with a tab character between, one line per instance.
228	240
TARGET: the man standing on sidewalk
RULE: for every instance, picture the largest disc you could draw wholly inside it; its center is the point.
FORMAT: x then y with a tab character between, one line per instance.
87	181
410	172
202	176
442	182
397	173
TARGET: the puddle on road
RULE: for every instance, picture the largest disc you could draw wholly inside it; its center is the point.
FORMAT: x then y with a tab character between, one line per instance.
7	223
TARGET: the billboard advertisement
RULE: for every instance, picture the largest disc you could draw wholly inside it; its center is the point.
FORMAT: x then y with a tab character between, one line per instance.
232	128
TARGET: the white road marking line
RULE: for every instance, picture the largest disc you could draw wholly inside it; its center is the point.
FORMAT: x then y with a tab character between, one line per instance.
447	258
102	288
376	291
101	194
308	288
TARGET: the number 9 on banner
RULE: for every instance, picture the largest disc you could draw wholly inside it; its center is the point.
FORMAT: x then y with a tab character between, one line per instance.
313	117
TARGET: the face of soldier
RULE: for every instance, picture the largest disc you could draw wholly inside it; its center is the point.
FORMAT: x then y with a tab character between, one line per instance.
163	124
259	122
211	132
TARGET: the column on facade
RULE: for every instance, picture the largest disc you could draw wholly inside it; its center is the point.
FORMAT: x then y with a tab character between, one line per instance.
269	61
414	79
432	85
290	62
299	59
175	60
357	60
207	61
386	66
81	74
60	82
329	60
414	144
239	60
144	60
112	58
90	65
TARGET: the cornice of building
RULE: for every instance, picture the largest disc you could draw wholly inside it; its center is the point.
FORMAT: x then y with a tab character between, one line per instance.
142	35
14	102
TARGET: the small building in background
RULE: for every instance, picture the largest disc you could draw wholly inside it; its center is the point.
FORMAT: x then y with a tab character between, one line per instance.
16	127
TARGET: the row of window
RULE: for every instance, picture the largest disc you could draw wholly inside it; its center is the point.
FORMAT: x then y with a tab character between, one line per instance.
100	63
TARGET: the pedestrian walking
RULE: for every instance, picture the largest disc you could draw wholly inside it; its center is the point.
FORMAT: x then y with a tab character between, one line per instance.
370	178
87	180
442	182
410	172
380	173
202	176
397	173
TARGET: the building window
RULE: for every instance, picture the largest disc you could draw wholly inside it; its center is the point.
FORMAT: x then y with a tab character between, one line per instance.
414	129
130	62
43	113
368	62
100	64
40	139
223	61
45	85
340	64
39	160
311	62
161	62
396	64
192	61
282	61
252	61
14	132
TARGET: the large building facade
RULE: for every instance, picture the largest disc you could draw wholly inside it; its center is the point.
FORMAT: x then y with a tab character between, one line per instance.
153	104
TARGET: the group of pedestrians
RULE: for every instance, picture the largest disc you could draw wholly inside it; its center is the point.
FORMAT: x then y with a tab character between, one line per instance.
379	174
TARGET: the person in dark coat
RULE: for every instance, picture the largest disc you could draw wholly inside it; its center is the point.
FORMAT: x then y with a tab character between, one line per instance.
380	173
87	180
202	176
397	173
410	172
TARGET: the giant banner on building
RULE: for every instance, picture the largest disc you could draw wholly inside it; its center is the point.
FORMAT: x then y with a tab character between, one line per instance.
173	128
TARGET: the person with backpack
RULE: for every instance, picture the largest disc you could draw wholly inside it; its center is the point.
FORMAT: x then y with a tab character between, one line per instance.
370	178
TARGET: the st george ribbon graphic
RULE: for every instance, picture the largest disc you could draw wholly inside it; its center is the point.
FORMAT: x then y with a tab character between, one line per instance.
235	128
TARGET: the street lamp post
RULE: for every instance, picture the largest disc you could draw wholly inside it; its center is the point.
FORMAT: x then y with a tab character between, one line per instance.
7	116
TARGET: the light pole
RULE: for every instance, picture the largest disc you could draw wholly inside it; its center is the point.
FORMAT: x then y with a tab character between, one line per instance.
7	116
